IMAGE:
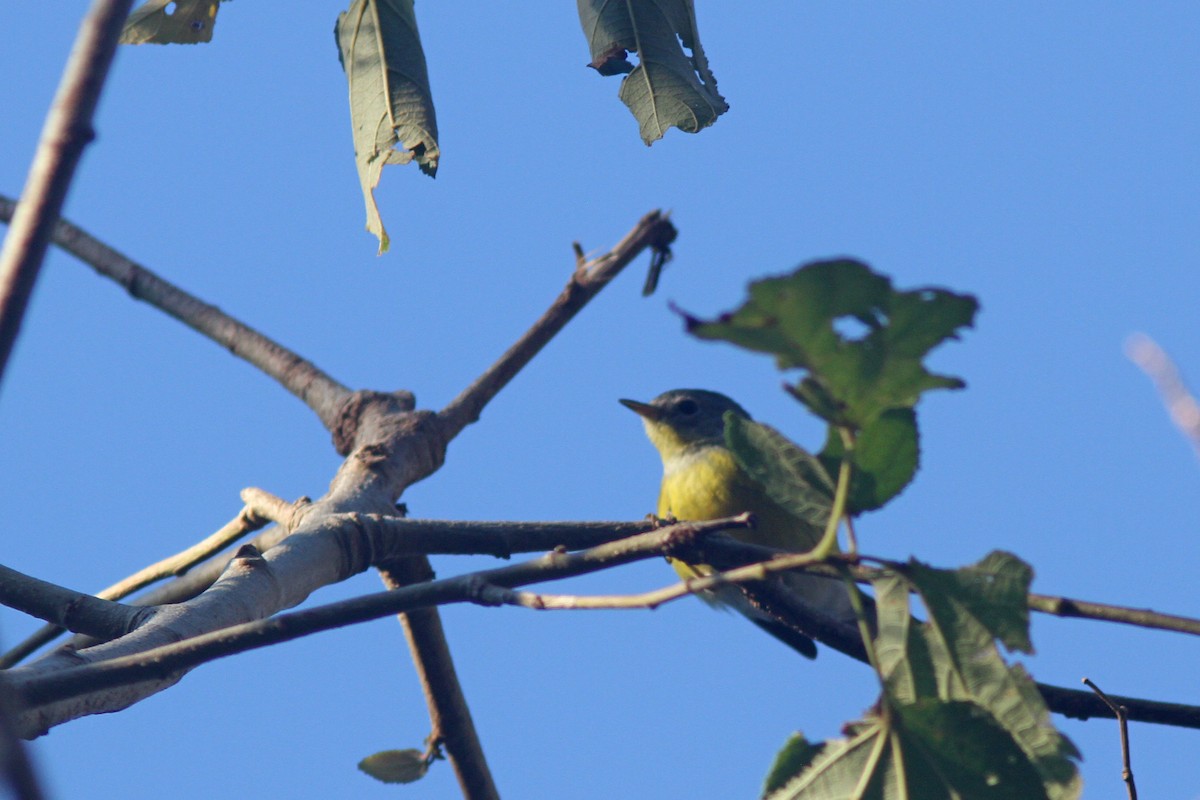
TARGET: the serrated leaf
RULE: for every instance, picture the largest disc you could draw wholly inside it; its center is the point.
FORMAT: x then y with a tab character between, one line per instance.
171	22
844	765
391	106
795	755
395	766
952	658
801	318
885	459
993	593
925	750
669	87
791	476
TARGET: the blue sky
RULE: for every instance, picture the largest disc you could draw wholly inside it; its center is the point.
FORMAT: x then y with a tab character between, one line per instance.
1042	157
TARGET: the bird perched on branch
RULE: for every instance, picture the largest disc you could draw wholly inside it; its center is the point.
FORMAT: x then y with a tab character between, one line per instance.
702	480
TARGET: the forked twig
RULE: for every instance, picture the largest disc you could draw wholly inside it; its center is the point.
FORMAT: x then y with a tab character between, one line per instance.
1122	714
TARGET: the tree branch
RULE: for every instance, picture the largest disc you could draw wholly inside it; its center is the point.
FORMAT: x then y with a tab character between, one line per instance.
66	608
1141	617
261	509
449	714
423	629
1122	723
317	390
490	587
653	231
167	661
400	536
67	131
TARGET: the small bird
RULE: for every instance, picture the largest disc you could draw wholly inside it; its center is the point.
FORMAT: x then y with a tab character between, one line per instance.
702	480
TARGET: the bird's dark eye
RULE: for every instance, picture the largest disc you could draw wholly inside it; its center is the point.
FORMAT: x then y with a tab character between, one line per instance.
687	407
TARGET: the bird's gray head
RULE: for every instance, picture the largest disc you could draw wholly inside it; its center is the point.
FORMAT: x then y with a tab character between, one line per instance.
685	418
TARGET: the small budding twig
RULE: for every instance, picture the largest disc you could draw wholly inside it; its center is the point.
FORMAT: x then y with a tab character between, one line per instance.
1121	713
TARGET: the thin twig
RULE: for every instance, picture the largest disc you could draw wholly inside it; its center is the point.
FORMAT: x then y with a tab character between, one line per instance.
185	587
487	588
1181	404
423	629
400	536
246	521
302	378
1122	714
167	660
653	231
67	131
1141	617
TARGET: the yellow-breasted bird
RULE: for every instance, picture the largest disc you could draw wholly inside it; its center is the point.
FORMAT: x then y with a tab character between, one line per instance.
702	480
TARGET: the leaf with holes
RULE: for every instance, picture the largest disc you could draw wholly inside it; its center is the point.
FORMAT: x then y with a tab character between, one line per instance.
391	107
171	22
669	88
802	320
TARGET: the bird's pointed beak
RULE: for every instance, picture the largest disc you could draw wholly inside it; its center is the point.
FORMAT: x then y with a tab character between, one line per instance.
644	410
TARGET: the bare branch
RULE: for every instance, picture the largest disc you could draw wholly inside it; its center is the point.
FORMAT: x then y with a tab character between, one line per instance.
317	390
489	587
1123	723
400	536
163	662
247	520
654	231
1141	617
67	131
423	629
449	714
1180	403
66	608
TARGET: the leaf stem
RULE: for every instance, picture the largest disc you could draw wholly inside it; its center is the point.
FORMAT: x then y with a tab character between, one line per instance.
828	543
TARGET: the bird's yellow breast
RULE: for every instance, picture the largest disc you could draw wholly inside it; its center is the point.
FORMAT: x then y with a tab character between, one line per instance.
706	483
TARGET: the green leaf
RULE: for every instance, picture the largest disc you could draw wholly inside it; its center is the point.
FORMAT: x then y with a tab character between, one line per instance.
802	320
171	22
925	750
390	101
791	476
969	750
992	593
395	766
796	754
668	88
844	766
954	721
885	459
953	658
